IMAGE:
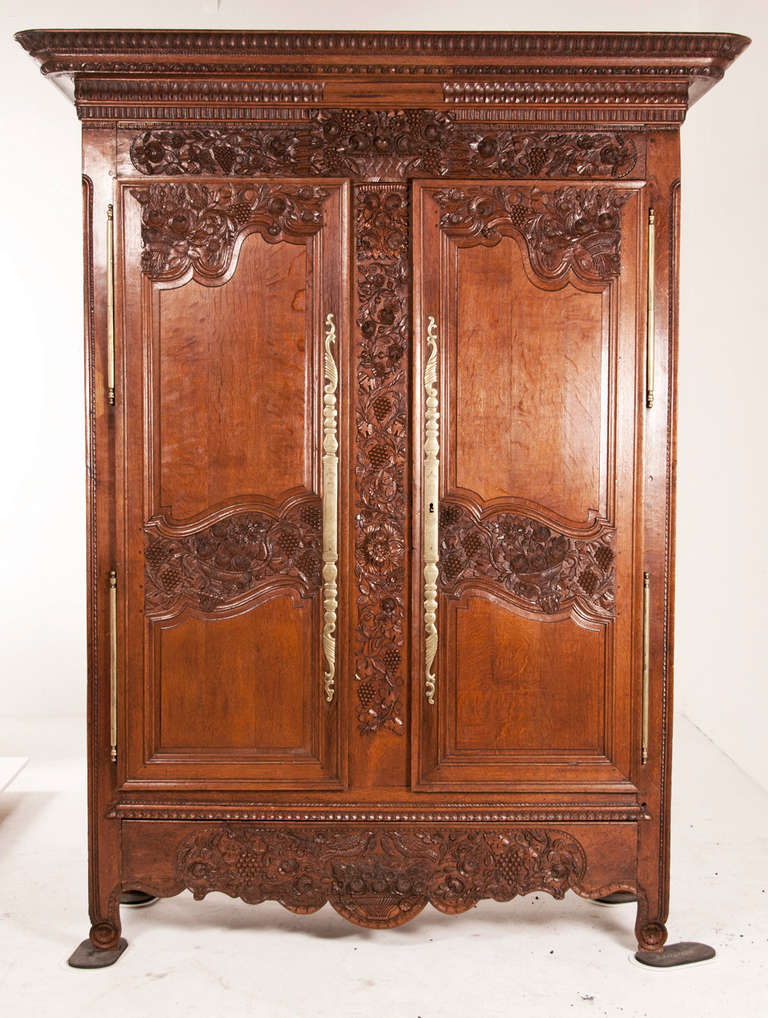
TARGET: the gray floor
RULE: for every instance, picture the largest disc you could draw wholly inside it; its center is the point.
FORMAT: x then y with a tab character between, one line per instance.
531	957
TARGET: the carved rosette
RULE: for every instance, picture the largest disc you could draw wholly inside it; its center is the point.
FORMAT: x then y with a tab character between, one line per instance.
381	426
383	145
193	225
378	877
543	570
574	229
224	562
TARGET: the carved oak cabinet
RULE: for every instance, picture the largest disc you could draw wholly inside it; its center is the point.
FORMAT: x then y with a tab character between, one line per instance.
380	344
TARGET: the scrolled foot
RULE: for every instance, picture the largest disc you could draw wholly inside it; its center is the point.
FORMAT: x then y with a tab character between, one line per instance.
87	956
685	953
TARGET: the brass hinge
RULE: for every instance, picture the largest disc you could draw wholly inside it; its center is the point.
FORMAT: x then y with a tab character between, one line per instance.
113	664
646	663
110	306
650	324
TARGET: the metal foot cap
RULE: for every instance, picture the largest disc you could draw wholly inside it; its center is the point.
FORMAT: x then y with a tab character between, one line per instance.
86	956
137	899
673	955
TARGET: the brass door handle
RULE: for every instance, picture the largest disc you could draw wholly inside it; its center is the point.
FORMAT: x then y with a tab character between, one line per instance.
650	324
431	509
330	509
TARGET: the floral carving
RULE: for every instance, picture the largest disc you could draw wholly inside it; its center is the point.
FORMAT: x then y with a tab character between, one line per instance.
542	154
223	562
194	225
543	570
378	877
569	229
381	424
238	152
383	145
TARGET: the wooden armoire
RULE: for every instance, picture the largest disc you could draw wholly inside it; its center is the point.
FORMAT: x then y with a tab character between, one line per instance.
380	336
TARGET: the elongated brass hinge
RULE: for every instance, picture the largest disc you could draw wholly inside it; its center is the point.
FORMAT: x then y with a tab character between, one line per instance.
431	509
113	664
330	509
110	306
650	324
646	662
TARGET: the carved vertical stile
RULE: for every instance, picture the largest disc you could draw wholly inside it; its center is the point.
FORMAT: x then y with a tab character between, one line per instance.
381	430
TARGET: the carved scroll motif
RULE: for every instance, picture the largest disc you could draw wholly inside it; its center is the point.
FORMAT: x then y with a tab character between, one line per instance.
570	229
223	562
185	225
381	426
378	877
543	570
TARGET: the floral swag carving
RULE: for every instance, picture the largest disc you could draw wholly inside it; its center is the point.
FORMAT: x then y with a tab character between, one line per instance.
544	571
223	562
383	145
185	225
378	878
570	229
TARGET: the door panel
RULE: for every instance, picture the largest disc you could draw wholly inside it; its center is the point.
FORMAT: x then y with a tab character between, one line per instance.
533	338
234	315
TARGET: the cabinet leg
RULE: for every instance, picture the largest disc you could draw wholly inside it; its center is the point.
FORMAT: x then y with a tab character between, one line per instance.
104	945
655	952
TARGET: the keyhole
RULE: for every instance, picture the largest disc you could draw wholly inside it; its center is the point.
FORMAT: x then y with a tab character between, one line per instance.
431	507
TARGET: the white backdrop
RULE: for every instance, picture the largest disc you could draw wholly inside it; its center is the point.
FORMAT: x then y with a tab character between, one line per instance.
722	620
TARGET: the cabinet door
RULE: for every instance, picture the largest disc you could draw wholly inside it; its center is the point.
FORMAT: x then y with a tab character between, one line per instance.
231	322
526	584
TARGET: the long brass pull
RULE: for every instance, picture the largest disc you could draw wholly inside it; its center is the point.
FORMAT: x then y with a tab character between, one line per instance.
113	664
430	513
110	306
646	662
650	324
330	509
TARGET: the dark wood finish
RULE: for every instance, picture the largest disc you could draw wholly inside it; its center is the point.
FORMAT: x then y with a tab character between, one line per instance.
501	184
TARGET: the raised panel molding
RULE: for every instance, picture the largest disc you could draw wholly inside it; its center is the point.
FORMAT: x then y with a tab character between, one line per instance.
378	878
226	560
195	226
540	569
570	229
385	145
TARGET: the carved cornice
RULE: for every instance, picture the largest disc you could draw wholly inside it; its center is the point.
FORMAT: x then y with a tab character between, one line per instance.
494	45
374	877
542	570
570	229
223	562
385	145
193	225
696	60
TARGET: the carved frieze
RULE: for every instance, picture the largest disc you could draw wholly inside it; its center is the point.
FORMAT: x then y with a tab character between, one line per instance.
190	224
383	145
544	571
569	229
378	877
381	428
223	562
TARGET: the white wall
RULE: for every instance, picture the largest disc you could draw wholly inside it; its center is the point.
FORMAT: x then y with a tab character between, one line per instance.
722	677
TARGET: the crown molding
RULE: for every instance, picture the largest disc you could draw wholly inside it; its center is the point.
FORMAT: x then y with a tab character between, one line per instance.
113	75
